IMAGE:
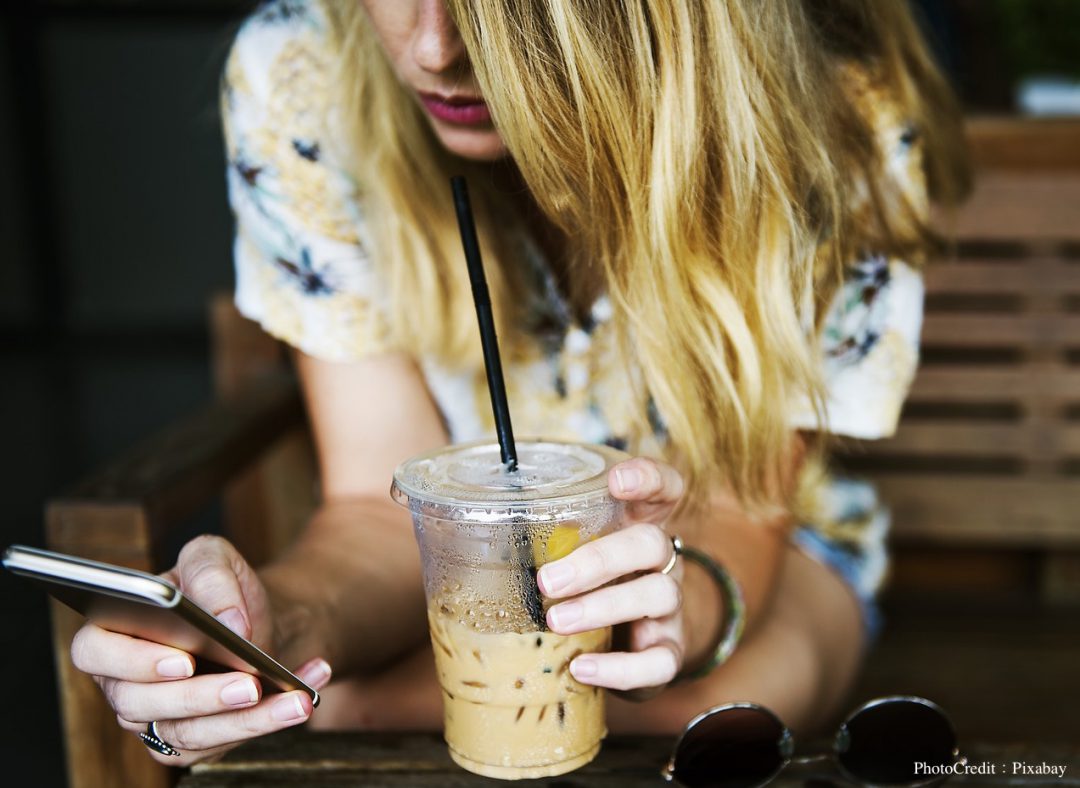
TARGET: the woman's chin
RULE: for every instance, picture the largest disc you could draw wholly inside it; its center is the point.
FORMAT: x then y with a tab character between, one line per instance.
477	144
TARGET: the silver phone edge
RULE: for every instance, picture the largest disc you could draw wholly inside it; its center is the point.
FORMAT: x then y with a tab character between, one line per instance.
78	572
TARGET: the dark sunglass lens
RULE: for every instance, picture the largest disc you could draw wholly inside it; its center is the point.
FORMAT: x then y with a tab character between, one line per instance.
732	748
883	743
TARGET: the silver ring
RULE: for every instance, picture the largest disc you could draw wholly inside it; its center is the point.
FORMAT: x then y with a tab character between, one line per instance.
676	551
153	740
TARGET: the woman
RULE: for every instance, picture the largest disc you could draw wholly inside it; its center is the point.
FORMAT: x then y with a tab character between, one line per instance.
702	224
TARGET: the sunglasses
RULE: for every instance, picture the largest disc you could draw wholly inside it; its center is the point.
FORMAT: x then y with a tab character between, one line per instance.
742	745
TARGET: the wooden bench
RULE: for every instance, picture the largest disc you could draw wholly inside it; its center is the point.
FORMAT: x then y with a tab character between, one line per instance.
997	398
987	457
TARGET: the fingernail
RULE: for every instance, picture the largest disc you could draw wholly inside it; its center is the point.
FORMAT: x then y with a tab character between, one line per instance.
234	620
316	675
628	479
584	668
554	577
175	668
288	708
566	614
239	693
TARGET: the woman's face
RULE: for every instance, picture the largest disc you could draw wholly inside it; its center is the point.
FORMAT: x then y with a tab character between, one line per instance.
423	44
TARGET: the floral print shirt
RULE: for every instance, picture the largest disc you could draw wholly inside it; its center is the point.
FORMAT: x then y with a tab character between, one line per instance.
303	272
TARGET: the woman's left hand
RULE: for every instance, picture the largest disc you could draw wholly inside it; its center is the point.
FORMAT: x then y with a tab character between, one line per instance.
650	603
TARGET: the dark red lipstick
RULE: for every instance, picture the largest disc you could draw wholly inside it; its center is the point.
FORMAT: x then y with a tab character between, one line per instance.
460	110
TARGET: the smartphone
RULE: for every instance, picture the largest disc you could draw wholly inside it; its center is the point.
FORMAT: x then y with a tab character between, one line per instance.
144	606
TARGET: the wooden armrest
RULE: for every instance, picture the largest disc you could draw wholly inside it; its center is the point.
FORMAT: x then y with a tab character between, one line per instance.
122	512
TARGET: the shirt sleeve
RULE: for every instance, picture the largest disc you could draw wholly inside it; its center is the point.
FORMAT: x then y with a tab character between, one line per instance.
870	336
870	350
302	267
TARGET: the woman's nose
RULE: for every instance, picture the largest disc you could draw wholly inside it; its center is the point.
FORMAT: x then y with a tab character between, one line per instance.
437	46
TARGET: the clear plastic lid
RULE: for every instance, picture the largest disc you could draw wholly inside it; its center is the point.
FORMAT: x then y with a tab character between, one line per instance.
470	482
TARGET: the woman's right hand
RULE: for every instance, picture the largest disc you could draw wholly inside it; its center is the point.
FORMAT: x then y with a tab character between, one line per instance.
201	716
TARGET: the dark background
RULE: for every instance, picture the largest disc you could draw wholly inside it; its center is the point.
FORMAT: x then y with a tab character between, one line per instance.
114	232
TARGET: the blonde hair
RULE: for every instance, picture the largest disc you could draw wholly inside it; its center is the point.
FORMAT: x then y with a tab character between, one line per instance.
702	158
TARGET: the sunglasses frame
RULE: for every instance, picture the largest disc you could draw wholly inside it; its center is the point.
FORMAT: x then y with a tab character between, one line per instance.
786	744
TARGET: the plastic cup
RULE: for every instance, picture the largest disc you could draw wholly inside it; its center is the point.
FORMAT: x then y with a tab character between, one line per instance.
511	707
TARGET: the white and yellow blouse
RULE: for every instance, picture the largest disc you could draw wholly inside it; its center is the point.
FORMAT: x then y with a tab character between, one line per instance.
303	272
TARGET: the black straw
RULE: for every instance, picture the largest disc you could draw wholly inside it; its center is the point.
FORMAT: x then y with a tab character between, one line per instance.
482	299
523	553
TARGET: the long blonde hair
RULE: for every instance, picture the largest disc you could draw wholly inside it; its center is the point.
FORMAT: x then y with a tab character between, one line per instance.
702	158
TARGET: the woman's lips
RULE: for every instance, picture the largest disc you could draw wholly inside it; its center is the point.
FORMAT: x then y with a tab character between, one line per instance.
463	111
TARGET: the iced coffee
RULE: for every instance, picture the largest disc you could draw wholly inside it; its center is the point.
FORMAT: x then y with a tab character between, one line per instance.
511	707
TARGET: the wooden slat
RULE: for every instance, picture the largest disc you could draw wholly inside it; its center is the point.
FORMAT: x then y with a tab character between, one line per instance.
1061	578
1008	206
983	277
983	509
1028	144
918	569
935	438
995	384
1001	330
113	532
979	439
